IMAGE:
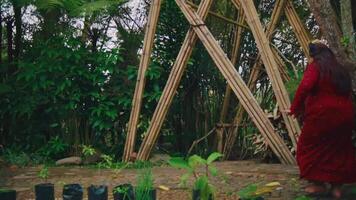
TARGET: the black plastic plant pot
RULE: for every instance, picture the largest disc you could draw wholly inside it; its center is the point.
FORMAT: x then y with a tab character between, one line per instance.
152	194
44	191
72	192
197	193
98	192
254	198
7	194
124	192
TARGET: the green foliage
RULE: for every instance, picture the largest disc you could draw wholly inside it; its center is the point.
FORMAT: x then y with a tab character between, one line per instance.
124	190
75	75
77	7
43	174
248	193
293	83
201	182
345	41
88	150
16	157
144	184
4	190
55	148
108	162
303	198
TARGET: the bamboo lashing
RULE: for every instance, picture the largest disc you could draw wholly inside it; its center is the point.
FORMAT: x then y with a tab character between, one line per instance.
140	83
299	29
270	64
171	86
240	89
254	74
240	24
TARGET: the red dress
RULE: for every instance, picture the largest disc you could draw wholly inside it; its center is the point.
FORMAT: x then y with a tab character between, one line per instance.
325	151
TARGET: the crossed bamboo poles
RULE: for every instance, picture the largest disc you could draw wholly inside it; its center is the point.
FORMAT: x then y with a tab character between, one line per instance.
248	102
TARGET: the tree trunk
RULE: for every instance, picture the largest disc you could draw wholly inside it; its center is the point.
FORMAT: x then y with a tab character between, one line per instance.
9	41
0	36
18	26
347	27
50	23
327	20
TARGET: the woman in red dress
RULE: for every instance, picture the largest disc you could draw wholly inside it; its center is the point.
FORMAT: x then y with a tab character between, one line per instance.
325	153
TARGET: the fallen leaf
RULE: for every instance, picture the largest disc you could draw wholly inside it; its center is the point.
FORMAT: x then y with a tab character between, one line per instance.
162	187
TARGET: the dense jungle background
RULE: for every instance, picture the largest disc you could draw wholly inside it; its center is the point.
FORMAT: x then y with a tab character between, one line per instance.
68	70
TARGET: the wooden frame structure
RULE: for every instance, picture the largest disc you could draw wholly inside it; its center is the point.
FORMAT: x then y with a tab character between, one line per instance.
198	30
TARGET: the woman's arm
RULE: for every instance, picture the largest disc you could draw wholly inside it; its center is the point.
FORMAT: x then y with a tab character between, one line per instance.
310	79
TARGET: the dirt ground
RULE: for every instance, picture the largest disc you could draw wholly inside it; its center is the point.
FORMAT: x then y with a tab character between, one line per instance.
234	175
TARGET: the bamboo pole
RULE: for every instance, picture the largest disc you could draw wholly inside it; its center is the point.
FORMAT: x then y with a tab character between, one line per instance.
140	83
254	74
227	96
171	86
299	29
267	57
227	20
240	89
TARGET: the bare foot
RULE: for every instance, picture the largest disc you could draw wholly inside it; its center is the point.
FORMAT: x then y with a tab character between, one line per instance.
315	189
336	192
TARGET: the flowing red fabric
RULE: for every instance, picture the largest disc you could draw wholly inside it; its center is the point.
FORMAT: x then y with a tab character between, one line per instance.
325	151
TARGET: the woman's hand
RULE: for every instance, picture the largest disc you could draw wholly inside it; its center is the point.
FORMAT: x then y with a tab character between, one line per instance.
287	111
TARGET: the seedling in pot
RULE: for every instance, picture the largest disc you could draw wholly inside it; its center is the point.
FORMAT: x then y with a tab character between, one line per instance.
144	188
44	191
95	192
124	192
202	189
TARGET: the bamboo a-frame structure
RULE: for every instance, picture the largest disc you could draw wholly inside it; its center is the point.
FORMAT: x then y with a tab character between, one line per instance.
198	30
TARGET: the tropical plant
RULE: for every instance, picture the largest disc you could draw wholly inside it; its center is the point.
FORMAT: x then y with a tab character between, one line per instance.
88	150
124	191
16	157
44	173
201	183
144	185
107	162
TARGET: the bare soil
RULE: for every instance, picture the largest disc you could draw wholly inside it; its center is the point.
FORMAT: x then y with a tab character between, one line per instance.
234	175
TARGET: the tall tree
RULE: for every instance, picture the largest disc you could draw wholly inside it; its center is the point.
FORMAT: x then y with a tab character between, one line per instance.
0	35
347	26
18	27
327	20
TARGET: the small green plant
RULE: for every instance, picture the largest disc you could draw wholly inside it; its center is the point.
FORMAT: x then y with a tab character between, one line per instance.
124	190
108	161
201	182
345	41
144	184
16	157
43	174
248	192
88	150
303	198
